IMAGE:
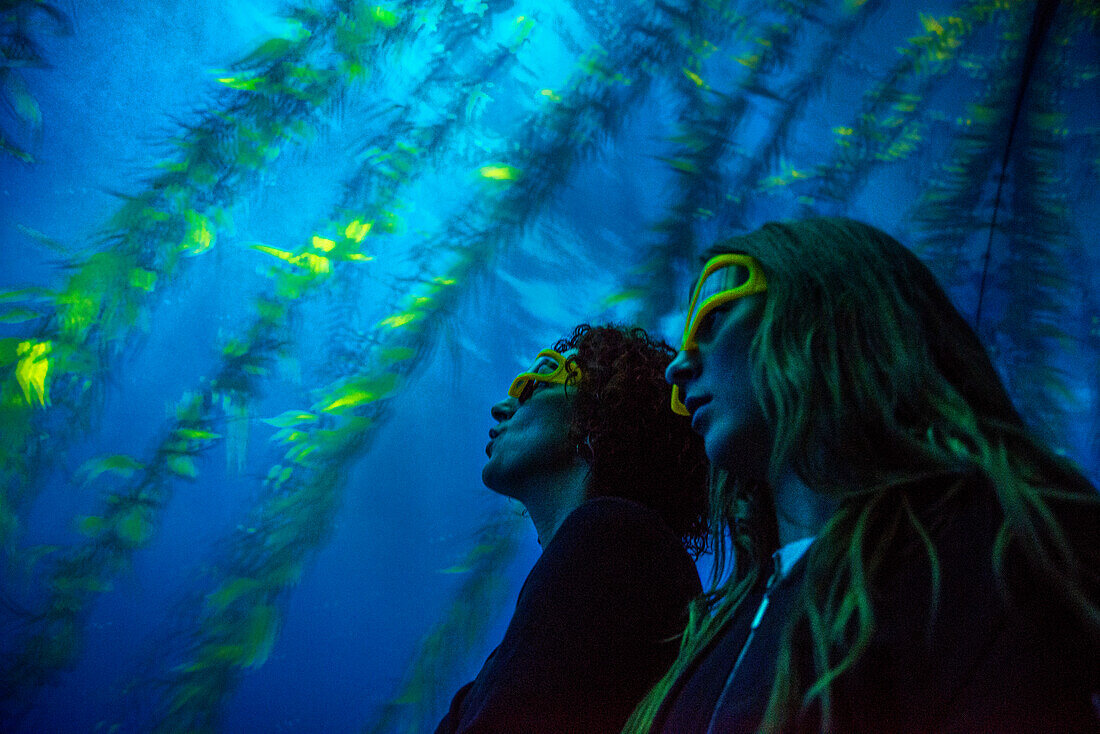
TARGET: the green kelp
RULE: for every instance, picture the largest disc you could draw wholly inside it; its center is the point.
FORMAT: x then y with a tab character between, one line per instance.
267	554
105	297
951	206
474	128
890	123
50	639
734	207
303	490
1042	244
711	116
1018	132
245	361
89	320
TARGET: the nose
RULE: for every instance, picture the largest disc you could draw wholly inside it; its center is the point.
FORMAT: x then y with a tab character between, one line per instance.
503	410
682	368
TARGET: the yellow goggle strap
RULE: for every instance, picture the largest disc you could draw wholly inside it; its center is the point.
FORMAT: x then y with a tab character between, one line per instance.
678	406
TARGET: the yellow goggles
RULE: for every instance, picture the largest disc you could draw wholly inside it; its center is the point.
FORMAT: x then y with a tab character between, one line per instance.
724	278
549	366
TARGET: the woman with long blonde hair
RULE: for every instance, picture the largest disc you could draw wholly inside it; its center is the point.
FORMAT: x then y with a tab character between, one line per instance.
906	555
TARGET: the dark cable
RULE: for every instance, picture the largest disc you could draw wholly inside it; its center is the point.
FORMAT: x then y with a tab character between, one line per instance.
1040	24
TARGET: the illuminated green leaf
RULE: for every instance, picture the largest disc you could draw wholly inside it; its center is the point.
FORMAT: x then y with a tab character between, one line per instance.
182	465
291	418
120	464
260	633
197	434
230	591
134	527
91	525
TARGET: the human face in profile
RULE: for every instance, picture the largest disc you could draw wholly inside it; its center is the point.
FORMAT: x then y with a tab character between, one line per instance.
712	374
530	442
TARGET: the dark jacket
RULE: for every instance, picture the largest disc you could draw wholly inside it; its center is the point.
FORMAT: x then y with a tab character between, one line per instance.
595	626
985	658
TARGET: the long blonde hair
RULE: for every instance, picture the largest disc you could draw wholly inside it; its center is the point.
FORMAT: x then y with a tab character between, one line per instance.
871	382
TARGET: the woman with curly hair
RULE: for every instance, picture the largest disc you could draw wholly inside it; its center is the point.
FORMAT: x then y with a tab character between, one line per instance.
908	557
616	486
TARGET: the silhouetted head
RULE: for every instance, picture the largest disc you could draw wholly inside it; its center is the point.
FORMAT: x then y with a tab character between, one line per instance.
613	416
852	366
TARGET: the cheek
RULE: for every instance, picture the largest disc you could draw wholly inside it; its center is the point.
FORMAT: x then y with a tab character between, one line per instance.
730	366
558	435
545	429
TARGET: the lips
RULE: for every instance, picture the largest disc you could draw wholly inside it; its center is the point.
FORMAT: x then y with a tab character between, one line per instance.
494	434
697	421
694	402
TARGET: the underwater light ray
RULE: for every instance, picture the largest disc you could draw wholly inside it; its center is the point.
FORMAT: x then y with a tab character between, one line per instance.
149	238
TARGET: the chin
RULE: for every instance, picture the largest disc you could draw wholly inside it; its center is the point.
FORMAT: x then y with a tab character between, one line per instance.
742	453
488	475
720	455
718	445
491	478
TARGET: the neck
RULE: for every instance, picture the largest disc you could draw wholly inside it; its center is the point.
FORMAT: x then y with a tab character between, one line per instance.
550	500
800	512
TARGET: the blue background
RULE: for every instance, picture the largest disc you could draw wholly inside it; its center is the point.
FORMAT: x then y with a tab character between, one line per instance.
536	254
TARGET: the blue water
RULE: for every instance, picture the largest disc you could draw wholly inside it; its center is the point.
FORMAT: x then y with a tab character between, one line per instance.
540	220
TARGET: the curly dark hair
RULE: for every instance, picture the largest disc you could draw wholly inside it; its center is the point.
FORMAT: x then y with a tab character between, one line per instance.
624	428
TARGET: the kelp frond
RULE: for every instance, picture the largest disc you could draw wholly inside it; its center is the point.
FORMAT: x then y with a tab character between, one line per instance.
1043	320
890	125
155	234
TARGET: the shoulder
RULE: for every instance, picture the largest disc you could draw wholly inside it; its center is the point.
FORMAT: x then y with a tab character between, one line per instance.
593	629
979	532
614	513
614	548
617	529
954	625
